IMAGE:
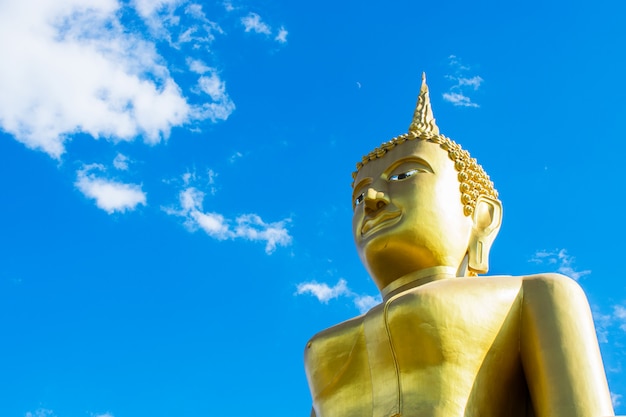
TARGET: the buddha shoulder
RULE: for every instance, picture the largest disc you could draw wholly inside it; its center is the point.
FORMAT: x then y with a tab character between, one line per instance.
553	290
331	352
336	341
551	280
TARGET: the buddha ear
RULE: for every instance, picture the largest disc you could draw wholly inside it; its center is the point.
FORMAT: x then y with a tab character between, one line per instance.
486	219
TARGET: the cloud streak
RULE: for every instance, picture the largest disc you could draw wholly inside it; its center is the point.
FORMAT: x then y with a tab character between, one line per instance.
458	99
41	412
252	22
560	261
249	227
458	94
282	35
111	196
324	293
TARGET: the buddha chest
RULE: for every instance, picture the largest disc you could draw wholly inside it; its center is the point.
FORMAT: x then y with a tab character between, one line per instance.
447	348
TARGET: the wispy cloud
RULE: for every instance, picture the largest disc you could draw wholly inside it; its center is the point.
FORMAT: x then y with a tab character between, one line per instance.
619	312
603	322
198	66
253	23
560	261
228	6
211	84
282	35
78	69
365	302
616	399
609	323
41	412
324	293
473	82
234	157
458	93
203	179
247	226
111	196
121	162
458	99
179	22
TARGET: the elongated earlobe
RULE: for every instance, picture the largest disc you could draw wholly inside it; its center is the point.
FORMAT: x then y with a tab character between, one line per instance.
487	218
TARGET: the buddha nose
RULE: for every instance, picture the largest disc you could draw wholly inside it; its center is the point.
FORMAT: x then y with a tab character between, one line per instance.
374	200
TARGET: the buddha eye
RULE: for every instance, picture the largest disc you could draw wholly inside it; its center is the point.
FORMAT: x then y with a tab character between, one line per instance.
404	175
359	199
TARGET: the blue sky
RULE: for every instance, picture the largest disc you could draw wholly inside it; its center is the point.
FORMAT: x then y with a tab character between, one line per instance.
175	220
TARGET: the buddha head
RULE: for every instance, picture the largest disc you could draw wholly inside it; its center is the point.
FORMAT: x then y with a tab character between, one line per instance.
420	201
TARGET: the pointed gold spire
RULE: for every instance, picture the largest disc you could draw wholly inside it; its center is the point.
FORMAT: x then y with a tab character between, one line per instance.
423	124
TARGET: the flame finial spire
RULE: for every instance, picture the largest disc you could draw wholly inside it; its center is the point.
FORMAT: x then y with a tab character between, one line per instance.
423	124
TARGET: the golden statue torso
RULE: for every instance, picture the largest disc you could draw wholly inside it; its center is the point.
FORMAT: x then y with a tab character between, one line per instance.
421	353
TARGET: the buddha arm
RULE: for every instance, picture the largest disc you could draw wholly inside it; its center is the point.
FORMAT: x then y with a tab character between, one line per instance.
559	350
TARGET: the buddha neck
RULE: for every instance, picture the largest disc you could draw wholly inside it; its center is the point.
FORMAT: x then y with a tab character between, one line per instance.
415	279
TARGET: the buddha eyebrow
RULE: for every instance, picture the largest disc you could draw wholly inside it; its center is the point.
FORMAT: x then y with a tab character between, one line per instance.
360	185
410	159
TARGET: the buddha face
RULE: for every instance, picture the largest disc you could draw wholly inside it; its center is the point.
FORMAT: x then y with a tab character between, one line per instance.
408	214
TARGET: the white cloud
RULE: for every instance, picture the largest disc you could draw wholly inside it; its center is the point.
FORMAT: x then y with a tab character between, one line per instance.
213	224
187	177
210	83
121	162
78	69
191	199
198	66
616	399
149	8
228	6
253	23
282	35
233	158
619	312
324	293
41	412
191	179
455	62
607	323
248	226
179	22
212	175
213	86
560	259
457	94
602	322
458	99
473	82
365	302
110	196
252	227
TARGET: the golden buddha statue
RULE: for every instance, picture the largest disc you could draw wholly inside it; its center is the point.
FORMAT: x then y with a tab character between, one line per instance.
445	343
